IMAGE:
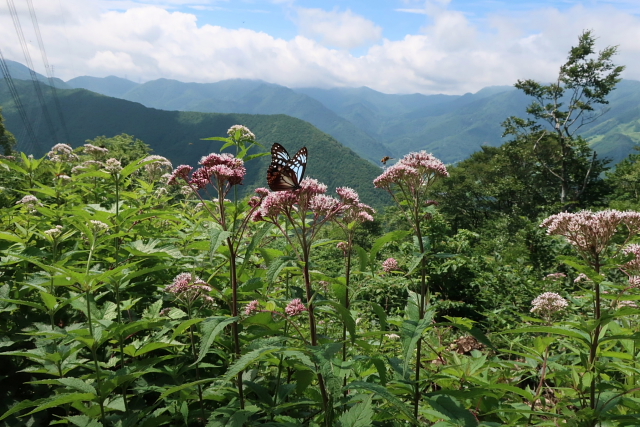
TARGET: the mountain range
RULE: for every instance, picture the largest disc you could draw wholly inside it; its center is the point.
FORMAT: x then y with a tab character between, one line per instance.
374	124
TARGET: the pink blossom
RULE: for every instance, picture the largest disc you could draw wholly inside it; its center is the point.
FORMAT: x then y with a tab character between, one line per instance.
591	232
295	307
252	307
261	192
389	265
181	173
324	205
548	303
189	287
634	264
348	195
343	247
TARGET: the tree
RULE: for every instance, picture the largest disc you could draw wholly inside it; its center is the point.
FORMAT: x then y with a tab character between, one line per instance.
7	140
123	147
560	109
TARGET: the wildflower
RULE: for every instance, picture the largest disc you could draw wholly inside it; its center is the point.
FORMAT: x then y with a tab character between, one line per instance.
591	232
630	304
634	264
392	336
113	166
189	287
179	175
61	153
63	177
389	265
241	133
295	307
353	209
413	171
343	247
634	281
581	278
98	226
29	201
548	304
54	232
252	307
95	152
158	166
555	276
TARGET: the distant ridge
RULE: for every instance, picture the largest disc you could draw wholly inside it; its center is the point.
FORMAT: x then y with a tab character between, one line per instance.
178	136
375	124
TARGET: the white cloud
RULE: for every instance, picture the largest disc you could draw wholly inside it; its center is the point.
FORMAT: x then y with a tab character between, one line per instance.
449	55
337	29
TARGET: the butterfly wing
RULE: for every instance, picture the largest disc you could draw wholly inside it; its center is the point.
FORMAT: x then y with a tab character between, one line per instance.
285	173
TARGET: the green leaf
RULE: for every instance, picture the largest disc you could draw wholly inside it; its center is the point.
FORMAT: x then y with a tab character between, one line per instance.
379	311
184	325
61	399
247	359
211	328
363	258
385	394
255	241
345	314
452	410
392	236
359	415
410	332
216	238
276	267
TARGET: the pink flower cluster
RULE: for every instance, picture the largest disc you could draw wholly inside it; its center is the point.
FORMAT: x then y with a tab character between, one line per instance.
310	197
389	265
632	266
295	307
591	232
190	287
252	307
555	276
415	170
548	303
353	209
221	170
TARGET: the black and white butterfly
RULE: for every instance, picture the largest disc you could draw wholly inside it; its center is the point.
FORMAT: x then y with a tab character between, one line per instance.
285	173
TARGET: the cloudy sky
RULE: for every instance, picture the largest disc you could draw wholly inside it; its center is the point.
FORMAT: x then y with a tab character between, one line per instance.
394	46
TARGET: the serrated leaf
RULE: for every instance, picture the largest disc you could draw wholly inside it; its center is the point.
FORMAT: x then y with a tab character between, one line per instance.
359	415
450	408
388	396
211	328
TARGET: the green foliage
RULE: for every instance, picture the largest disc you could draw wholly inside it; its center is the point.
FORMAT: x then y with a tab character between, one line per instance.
7	140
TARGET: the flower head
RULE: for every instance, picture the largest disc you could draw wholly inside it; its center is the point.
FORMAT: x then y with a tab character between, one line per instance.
54	232
414	171
158	167
389	265
61	153
189	287
252	307
548	304
113	166
241	133
591	232
295	307
95	152
555	276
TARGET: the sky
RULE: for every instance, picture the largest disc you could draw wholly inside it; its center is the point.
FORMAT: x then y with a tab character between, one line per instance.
392	46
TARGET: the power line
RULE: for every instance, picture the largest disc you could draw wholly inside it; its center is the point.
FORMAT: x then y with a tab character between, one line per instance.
18	103
34	77
48	69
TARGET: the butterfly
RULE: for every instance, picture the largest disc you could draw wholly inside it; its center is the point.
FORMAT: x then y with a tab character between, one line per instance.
385	159
285	173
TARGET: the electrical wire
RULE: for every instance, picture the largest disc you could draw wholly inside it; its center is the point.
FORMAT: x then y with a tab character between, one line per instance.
48	69
18	104
34	77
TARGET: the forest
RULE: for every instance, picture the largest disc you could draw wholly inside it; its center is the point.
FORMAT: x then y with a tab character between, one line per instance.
501	290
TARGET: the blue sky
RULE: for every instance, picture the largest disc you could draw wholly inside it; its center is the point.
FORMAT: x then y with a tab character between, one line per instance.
394	46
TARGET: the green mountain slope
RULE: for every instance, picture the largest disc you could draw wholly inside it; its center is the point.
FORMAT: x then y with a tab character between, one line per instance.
177	135
244	96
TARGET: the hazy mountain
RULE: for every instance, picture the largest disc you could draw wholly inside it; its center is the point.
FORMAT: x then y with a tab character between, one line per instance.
375	124
110	86
239	96
21	72
177	135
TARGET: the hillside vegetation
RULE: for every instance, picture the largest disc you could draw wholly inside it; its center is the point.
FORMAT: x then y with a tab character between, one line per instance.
177	135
